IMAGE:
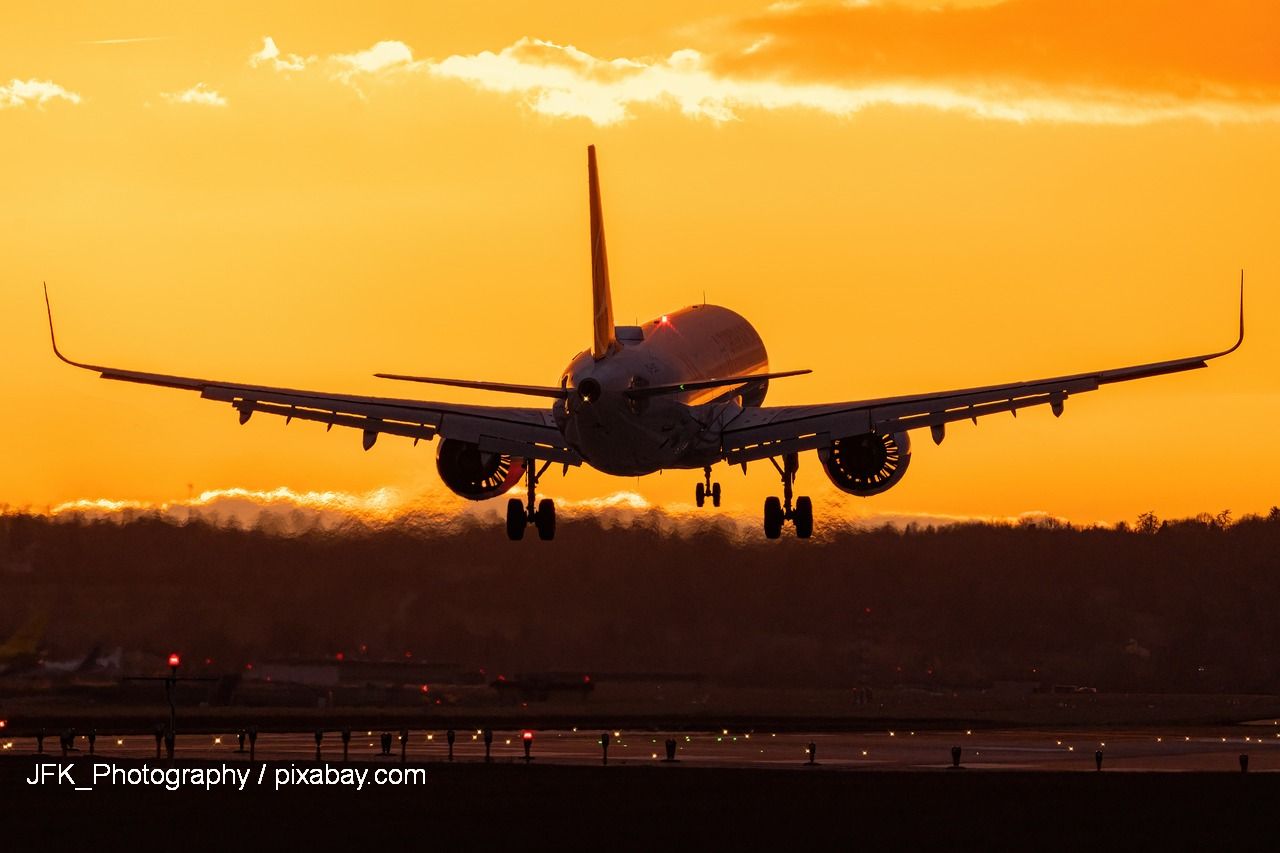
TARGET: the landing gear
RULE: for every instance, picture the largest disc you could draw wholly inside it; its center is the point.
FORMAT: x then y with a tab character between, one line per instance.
778	511
545	519
707	489
520	514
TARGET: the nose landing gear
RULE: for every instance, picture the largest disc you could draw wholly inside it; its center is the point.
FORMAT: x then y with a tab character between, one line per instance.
707	489
520	514
776	512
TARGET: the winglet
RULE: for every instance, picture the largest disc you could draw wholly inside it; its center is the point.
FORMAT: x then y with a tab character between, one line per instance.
1240	339
53	339
603	341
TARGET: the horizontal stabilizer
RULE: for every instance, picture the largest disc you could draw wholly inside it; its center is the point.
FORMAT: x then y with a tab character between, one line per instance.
534	390
680	388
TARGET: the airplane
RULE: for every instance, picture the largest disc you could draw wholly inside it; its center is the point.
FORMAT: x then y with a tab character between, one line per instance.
685	390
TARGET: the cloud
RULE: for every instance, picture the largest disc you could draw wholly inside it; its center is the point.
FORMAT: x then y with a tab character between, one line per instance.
287	511
1080	61
382	56
381	60
270	55
1084	60
20	93
197	94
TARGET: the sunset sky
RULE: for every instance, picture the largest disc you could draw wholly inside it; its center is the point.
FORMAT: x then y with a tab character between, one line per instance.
904	197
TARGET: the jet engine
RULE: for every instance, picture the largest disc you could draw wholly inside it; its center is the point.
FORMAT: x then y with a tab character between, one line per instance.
475	474
867	464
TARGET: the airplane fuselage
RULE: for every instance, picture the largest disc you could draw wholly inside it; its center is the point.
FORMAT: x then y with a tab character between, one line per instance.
624	436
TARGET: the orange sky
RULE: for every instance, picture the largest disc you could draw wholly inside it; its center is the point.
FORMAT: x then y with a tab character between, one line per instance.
904	199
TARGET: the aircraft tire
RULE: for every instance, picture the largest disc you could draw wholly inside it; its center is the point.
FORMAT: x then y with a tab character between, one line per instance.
772	518
804	517
715	494
515	519
545	519
700	495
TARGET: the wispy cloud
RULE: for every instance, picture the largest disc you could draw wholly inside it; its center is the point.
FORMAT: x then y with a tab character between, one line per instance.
134	40
271	56
20	93
198	94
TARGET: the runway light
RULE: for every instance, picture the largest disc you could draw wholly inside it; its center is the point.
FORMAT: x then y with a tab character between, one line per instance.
119	741
968	731
174	660
430	737
864	752
217	740
526	735
426	688
617	734
4	724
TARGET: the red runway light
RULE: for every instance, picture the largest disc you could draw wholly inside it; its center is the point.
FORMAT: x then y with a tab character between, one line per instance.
174	660
426	688
527	735
340	656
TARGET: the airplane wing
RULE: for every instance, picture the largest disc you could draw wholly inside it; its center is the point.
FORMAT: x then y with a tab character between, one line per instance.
521	432
772	431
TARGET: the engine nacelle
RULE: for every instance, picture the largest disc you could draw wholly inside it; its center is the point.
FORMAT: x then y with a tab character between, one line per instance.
475	474
867	464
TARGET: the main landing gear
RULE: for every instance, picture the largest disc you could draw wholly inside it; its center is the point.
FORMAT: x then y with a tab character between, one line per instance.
520	514
776	512
707	489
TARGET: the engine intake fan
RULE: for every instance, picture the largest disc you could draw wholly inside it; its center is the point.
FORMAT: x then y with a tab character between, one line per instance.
867	464
475	474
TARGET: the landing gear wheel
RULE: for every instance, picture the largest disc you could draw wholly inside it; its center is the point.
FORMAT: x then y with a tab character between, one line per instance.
715	494
772	518
545	519
515	519
803	517
700	495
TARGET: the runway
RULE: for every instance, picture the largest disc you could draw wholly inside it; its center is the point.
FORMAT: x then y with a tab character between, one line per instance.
1164	750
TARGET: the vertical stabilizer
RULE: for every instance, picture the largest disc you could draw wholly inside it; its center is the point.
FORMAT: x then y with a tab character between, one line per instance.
601	302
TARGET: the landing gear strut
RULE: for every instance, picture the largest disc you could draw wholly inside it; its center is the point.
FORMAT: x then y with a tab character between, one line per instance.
707	489
520	514
776	512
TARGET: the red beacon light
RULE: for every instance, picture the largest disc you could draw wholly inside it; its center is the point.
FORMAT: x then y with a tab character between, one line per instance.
526	735
174	660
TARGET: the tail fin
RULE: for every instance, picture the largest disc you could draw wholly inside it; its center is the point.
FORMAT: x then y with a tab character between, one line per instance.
601	301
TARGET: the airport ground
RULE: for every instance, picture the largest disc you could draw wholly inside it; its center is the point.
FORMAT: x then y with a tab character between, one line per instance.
1171	774
544	805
